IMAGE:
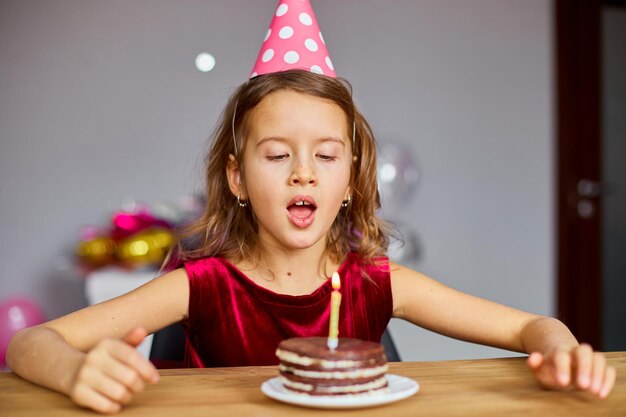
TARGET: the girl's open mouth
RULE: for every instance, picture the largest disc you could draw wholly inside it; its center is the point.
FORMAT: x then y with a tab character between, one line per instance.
301	211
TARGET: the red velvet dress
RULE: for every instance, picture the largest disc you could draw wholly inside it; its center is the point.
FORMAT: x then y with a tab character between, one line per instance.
235	322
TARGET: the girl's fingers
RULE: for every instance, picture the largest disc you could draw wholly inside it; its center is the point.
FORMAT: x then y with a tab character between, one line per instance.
583	356
580	367
545	369
609	381
89	398
535	360
111	373
598	372
124	374
113	390
108	387
135	336
85	395
562	366
129	356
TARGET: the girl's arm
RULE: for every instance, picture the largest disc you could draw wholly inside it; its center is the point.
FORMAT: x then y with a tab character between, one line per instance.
89	355
556	359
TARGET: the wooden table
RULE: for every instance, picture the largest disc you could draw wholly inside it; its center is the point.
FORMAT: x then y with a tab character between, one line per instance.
486	387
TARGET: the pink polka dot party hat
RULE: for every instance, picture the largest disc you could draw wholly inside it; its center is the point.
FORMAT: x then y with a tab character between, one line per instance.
293	41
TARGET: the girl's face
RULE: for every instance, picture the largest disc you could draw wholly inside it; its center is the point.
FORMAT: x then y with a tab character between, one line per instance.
297	168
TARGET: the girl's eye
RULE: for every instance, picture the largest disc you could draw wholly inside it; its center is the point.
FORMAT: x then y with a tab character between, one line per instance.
277	157
326	157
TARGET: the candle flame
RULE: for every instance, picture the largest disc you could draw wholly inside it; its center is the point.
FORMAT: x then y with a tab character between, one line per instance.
335	281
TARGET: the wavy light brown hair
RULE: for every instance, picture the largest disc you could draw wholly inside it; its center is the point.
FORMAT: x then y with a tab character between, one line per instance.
227	230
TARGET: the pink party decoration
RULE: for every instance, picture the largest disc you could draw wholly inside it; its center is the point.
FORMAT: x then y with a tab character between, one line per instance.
126	224
16	314
293	41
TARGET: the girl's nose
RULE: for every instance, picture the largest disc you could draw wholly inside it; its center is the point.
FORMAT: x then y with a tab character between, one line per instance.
303	174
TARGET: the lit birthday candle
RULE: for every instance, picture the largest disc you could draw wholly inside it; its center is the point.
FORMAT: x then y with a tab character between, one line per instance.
335	302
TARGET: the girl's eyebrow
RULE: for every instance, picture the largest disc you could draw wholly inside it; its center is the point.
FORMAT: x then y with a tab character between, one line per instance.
281	139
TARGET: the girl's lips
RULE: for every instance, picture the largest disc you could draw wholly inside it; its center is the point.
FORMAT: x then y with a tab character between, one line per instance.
305	198
301	211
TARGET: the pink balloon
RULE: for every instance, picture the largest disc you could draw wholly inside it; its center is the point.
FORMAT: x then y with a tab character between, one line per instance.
16	314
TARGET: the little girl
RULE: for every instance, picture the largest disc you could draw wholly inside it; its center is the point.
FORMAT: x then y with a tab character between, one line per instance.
292	197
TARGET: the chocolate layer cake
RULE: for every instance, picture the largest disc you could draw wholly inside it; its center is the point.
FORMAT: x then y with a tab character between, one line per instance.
308	366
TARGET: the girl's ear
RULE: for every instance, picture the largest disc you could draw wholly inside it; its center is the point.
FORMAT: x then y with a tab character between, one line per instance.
234	178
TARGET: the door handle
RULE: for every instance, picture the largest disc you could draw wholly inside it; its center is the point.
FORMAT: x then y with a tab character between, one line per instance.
587	190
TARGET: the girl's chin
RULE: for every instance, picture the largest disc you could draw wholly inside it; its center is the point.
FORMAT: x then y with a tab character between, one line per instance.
290	237
303	242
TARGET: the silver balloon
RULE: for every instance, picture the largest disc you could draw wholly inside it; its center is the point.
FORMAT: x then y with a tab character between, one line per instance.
397	176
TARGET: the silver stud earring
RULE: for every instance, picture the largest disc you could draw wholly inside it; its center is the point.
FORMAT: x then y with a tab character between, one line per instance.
241	203
345	203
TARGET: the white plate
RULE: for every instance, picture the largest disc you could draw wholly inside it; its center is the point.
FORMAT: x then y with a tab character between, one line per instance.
399	387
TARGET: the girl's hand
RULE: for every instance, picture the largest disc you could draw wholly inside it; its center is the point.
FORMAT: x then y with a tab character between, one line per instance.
580	367
111	373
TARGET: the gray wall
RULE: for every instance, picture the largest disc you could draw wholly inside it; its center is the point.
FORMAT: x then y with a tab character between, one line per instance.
100	101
